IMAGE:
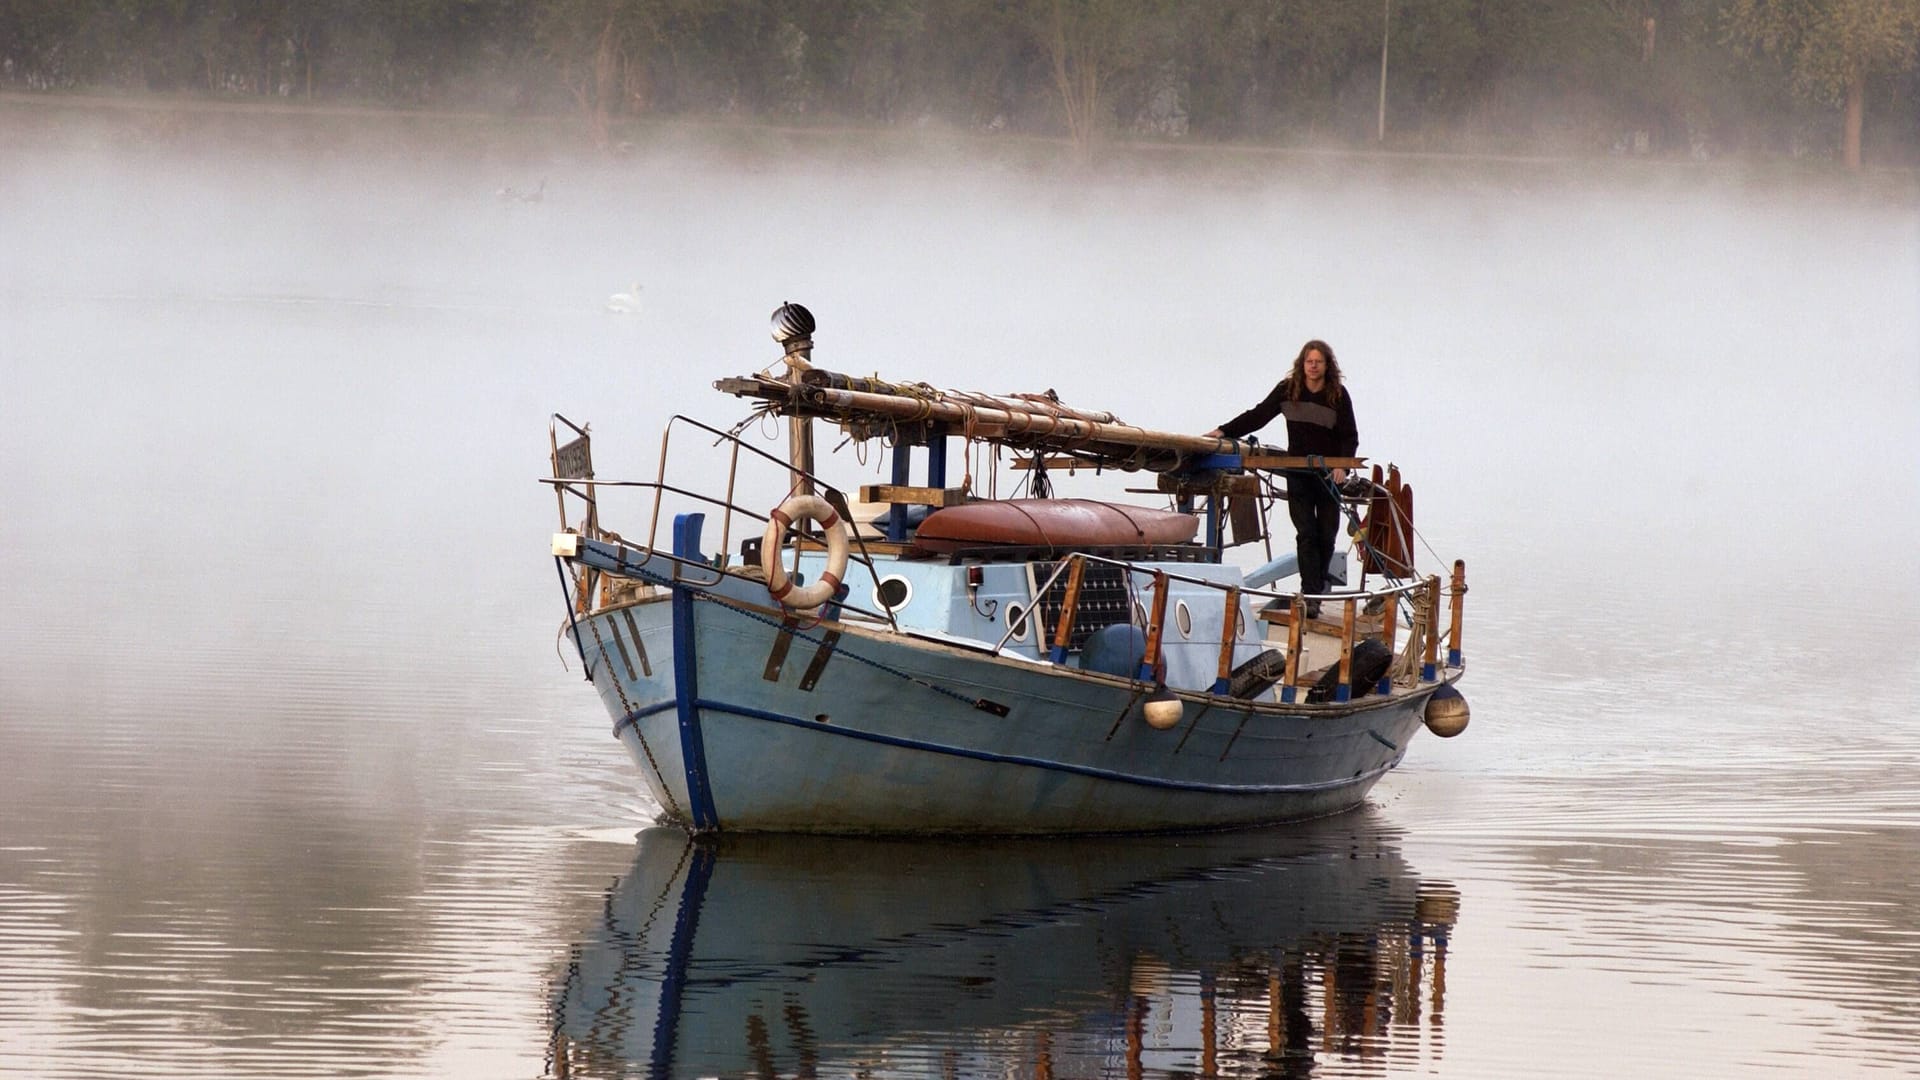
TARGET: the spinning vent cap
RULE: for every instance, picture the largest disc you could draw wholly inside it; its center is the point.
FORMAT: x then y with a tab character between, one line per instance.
791	321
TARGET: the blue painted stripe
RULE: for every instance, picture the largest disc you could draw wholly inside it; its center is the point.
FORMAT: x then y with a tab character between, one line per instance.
693	752
638	715
673	983
1041	763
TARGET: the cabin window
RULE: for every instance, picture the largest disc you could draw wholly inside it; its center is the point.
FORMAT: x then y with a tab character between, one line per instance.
1183	618
893	592
1018	622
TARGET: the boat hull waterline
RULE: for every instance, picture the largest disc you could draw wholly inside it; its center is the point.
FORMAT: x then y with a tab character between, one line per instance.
865	731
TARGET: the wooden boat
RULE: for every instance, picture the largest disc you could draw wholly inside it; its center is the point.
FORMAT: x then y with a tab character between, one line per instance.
983	665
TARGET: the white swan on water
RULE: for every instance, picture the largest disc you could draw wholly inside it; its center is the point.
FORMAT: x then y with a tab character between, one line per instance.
625	303
514	194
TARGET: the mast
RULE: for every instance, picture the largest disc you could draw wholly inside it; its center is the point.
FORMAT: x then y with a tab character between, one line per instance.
1030	422
793	328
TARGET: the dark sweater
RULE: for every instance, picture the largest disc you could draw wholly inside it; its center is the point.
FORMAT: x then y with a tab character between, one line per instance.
1315	424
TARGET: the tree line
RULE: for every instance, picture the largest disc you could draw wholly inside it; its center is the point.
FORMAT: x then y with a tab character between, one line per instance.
1700	78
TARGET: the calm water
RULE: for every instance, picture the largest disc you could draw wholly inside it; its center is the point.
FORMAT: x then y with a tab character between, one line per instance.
297	782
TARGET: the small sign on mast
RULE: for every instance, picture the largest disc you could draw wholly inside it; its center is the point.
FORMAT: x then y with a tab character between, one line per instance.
573	461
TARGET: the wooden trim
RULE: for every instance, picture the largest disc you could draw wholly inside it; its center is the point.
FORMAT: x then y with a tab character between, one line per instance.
1433	622
1298	461
1346	644
1363	624
1293	650
1459	599
1156	624
1229	632
1069	607
917	496
867	544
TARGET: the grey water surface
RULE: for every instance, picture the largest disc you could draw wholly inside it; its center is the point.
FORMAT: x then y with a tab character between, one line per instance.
295	779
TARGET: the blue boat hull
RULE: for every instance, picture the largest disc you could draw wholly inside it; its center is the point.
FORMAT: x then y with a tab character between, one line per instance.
739	722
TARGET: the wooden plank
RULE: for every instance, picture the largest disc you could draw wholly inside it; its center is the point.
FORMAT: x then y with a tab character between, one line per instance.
1293	461
1459	599
820	657
1213	484
1156	626
1346	650
1364	625
1293	653
782	641
1056	462
1229	634
865	544
1433	628
1069	607
918	496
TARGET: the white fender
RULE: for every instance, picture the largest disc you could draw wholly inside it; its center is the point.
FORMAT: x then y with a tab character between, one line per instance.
779	585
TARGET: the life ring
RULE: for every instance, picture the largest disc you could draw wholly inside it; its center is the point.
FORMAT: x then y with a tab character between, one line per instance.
782	588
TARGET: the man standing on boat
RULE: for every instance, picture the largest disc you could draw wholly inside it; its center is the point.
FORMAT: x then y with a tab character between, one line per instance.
1319	414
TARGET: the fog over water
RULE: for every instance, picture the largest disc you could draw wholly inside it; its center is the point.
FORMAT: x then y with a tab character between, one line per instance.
296	782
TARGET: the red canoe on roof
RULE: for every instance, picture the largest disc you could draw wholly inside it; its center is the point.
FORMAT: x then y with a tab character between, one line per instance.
1053	523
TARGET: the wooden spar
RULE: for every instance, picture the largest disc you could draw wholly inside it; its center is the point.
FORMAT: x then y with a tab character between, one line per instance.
1459	598
1065	429
1429	670
1297	611
1387	630
1026	427
1229	635
1156	627
1044	404
1069	607
800	453
1345	690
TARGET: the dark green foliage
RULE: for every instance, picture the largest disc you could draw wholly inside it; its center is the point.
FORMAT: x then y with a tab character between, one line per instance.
1662	77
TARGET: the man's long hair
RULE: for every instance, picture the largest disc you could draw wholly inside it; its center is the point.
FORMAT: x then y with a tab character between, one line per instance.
1297	378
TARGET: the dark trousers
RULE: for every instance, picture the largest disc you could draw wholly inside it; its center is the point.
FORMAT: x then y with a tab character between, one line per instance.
1316	522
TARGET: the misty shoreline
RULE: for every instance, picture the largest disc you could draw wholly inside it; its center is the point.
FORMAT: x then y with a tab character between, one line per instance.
159	122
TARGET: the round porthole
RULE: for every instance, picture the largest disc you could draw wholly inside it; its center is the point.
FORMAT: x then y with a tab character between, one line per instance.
1018	622
893	592
1183	618
1139	615
1239	622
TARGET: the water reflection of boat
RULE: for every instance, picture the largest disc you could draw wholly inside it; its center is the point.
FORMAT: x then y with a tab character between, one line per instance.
1219	954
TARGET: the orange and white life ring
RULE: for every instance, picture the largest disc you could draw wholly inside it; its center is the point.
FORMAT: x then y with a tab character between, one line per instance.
782	588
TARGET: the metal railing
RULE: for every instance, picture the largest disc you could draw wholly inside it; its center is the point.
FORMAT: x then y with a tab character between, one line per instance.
660	488
1421	597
